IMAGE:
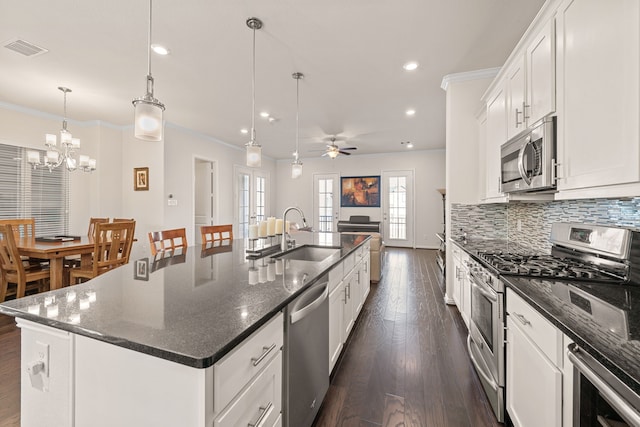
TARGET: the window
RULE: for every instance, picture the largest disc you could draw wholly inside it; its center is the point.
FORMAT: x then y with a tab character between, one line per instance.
398	207
26	192
325	205
252	194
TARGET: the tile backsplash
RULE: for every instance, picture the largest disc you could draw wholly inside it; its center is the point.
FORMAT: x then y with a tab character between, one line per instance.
501	220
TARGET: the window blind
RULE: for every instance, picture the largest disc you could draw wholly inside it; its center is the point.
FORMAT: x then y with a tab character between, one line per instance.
26	192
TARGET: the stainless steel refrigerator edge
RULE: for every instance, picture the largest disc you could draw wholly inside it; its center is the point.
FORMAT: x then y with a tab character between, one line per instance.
306	355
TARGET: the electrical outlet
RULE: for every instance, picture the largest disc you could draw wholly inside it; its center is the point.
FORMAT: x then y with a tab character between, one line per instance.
172	202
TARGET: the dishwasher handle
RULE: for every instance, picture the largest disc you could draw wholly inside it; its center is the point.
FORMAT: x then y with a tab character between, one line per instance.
300	313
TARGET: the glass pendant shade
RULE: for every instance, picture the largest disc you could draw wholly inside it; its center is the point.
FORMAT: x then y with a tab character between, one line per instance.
254	155
296	170
148	120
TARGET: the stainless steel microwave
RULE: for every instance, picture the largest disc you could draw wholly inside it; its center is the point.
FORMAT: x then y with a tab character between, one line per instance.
528	160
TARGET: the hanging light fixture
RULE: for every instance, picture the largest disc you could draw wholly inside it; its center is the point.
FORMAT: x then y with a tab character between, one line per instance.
296	165
148	124
65	154
254	150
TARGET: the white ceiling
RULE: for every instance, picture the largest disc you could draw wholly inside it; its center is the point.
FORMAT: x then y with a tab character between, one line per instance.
350	51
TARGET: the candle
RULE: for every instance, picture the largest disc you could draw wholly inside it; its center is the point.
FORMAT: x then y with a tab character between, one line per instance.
279	226
271	226
262	231
253	276
253	231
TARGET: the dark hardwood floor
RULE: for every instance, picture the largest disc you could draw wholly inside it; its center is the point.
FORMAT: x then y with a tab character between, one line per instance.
405	364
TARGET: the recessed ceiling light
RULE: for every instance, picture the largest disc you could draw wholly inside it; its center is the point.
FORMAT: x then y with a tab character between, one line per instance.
411	112
272	119
244	130
410	66
264	114
160	50
409	144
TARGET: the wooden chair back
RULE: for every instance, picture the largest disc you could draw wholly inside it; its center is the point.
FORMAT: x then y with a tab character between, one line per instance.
92	225
12	270
122	219
22	227
167	240
211	233
112	245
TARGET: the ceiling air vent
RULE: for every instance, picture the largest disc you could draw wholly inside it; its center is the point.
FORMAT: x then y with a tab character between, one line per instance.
24	47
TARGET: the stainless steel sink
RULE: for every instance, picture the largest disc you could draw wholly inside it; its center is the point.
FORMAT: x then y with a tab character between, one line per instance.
309	253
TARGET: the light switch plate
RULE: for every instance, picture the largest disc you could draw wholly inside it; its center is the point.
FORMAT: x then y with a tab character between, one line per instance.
172	202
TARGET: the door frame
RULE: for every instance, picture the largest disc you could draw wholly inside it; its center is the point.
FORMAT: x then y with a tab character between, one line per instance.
336	199
213	187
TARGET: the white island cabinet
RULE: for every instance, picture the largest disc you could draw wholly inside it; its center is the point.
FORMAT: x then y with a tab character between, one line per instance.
73	380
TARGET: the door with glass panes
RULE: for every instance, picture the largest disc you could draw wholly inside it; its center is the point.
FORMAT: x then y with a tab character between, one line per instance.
397	211
251	195
326	202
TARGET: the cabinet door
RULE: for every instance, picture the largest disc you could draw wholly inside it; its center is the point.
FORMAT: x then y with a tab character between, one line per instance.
336	308
348	307
598	83
534	383
541	74
466	296
496	131
515	99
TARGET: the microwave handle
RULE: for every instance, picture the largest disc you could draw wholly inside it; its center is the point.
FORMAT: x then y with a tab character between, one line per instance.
523	173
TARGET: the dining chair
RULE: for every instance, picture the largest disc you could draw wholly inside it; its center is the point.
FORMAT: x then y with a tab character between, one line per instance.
122	219
112	247
74	261
14	271
22	227
92	224
211	233
167	240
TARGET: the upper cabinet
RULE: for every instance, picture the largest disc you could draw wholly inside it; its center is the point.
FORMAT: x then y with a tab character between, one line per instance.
515	82
541	74
496	135
598	78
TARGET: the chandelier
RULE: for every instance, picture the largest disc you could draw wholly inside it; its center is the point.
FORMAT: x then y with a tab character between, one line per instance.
65	154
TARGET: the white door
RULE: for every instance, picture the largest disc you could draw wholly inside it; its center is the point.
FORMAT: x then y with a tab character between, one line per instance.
203	195
397	211
326	204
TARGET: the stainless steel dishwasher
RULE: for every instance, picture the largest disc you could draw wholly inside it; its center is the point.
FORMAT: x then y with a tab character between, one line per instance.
306	353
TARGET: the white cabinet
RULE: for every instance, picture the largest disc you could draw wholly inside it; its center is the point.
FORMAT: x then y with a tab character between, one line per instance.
461	292
541	74
535	363
598	48
350	301
496	135
336	309
516	85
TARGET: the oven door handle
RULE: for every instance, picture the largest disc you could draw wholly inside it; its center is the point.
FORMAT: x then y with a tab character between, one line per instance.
618	402
484	292
487	377
521	169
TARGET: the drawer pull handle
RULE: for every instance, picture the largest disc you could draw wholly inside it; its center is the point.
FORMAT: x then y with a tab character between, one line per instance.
266	350
263	416
522	319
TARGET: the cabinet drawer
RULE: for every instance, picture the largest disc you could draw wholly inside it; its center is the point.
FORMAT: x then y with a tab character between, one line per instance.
546	336
335	276
260	401
235	370
349	262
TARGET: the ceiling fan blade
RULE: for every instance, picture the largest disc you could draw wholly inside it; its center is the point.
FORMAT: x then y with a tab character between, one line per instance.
346	153
349	148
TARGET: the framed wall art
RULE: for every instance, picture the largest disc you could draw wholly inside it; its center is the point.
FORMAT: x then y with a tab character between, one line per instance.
360	191
141	179
141	269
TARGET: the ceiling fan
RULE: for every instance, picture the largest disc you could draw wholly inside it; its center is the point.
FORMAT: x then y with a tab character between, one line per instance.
333	150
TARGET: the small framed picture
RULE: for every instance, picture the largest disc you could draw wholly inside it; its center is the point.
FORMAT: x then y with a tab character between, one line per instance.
141	269
141	179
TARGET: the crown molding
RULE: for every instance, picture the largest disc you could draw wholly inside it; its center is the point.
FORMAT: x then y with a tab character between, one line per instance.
486	73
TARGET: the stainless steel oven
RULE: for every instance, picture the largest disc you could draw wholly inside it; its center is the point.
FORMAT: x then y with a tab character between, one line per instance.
528	160
486	335
599	398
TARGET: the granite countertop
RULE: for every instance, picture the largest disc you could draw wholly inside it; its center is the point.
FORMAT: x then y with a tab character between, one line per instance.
569	304
192	308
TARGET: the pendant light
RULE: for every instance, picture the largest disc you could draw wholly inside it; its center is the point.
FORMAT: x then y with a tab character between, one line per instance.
296	165
254	150
148	122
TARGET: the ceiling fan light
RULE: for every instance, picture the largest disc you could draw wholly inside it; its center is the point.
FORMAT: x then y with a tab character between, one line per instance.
333	153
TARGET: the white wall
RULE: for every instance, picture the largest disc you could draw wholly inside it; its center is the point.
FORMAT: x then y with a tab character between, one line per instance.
429	175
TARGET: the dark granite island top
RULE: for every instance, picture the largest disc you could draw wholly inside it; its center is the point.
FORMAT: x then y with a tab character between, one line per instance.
190	309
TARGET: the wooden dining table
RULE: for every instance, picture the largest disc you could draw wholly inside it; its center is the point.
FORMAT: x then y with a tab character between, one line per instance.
55	252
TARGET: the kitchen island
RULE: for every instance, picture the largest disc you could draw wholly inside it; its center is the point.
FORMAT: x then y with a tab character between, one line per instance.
154	343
